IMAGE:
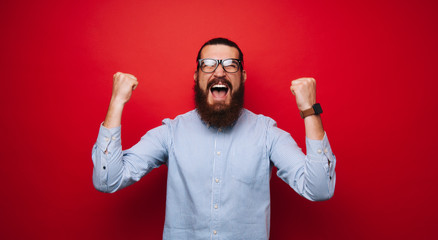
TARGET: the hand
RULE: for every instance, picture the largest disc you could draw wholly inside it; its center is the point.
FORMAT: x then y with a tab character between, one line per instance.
123	85
304	90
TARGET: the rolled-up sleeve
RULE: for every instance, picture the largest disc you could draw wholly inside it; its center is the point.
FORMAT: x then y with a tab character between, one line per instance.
320	169
312	175
115	169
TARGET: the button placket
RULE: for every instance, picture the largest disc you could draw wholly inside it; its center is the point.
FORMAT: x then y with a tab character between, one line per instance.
216	186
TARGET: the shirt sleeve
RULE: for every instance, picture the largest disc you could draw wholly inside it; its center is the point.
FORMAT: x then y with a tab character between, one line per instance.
313	175
115	169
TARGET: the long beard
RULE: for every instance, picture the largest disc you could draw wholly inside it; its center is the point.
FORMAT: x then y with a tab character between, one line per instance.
219	114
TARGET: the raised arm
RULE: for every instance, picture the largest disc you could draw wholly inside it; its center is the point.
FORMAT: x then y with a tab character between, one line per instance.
115	169
312	175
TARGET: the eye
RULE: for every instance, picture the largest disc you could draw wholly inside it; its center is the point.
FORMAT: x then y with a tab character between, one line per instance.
231	65
209	62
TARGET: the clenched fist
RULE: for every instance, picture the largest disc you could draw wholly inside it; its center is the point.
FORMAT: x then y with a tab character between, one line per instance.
123	85
304	90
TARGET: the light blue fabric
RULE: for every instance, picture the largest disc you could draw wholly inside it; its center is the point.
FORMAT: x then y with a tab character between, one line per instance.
218	179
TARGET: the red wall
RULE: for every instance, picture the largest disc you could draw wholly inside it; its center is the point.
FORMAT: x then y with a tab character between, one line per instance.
375	63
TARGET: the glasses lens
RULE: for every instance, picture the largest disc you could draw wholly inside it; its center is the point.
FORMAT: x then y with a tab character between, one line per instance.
231	65
208	65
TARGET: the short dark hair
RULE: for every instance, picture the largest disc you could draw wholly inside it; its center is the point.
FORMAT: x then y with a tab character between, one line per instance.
220	41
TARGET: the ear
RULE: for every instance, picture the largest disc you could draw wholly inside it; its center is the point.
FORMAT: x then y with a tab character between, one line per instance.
195	76
243	75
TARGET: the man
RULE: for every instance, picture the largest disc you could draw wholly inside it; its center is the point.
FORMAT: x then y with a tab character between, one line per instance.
220	155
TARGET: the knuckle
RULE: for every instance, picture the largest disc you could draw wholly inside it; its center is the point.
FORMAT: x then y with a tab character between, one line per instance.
130	75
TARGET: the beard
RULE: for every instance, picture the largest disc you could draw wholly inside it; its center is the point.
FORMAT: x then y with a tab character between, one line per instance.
219	114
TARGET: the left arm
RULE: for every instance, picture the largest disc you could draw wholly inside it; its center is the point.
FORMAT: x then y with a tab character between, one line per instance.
312	175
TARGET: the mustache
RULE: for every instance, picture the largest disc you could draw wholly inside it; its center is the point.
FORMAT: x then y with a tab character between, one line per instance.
220	80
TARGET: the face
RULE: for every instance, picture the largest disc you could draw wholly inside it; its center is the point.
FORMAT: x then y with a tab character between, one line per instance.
219	85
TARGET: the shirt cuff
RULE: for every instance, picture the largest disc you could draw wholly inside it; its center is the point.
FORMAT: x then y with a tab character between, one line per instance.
108	137
317	149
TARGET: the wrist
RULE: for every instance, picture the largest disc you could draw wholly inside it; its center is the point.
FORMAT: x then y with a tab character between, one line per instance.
315	109
305	107
117	102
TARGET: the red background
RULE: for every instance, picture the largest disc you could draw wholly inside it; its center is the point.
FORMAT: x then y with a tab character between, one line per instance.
375	63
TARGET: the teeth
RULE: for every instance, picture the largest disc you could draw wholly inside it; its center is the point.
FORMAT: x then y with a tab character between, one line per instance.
219	86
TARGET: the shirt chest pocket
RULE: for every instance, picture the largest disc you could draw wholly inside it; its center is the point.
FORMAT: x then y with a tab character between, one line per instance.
249	164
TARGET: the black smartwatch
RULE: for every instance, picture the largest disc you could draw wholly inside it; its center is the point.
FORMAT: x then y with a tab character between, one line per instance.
314	110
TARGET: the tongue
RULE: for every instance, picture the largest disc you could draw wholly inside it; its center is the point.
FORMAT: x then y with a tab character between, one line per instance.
219	93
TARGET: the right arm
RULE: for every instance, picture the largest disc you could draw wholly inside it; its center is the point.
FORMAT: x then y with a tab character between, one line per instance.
115	169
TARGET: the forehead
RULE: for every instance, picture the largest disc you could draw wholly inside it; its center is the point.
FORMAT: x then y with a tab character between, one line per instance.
219	52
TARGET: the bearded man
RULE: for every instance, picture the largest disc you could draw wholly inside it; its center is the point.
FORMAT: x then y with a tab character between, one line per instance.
219	156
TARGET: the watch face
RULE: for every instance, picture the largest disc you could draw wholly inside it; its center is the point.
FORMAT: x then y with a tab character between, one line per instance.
317	108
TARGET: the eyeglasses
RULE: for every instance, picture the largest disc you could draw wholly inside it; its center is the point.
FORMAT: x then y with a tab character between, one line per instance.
209	65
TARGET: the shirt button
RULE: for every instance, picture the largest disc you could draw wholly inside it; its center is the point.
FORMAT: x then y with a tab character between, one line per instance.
217	180
319	151
214	232
218	153
106	139
104	167
326	150
114	138
215	206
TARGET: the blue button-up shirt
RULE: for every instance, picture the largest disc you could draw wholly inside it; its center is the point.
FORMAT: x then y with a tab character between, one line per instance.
218	178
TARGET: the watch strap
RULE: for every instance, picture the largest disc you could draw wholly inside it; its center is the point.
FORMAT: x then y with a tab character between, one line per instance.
314	110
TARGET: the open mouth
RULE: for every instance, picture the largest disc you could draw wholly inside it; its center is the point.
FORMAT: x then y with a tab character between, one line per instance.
219	91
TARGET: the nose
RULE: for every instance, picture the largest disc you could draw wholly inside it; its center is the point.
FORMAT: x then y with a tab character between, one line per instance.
219	72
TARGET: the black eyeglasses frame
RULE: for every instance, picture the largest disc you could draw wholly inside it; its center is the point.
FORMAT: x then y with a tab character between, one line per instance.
221	62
